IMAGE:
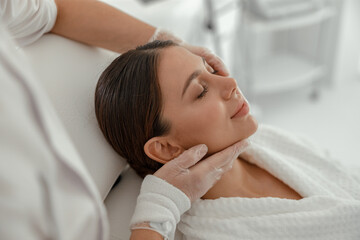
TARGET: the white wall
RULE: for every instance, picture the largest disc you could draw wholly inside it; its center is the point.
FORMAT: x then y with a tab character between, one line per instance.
185	18
348	61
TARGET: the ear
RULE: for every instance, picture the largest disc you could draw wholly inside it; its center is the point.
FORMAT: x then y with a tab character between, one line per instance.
162	149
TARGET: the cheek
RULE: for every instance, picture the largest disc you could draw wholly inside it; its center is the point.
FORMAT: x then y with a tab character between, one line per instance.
212	126
201	125
209	115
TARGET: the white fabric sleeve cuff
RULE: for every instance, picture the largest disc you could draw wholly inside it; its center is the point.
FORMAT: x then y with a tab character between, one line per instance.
161	205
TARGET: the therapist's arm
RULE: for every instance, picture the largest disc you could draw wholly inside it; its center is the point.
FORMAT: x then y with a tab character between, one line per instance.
99	24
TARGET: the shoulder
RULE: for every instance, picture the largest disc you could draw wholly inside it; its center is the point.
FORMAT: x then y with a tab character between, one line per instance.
300	149
285	141
28	20
294	148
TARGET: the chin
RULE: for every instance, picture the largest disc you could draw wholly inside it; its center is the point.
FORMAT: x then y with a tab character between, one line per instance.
251	126
254	123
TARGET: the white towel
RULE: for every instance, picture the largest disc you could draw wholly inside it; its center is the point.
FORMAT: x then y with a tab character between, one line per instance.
330	208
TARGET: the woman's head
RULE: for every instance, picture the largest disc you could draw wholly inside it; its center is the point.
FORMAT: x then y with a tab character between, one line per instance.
154	102
128	103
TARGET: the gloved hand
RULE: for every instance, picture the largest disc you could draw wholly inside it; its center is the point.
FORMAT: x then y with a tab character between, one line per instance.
195	177
214	61
166	195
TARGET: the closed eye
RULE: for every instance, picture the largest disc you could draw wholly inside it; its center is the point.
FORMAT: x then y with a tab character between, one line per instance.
203	93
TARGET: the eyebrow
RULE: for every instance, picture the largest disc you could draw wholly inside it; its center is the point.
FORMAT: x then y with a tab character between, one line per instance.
192	76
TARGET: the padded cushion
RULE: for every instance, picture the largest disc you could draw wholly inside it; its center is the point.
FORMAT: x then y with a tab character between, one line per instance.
69	71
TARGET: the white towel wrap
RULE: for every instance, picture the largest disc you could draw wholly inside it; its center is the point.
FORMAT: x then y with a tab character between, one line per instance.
330	208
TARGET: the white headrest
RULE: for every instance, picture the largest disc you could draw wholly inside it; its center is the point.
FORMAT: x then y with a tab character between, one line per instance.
69	71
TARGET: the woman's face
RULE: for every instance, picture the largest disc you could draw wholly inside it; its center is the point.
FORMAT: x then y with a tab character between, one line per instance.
202	107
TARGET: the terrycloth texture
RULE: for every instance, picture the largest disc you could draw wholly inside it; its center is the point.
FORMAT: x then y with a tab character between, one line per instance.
161	204
330	208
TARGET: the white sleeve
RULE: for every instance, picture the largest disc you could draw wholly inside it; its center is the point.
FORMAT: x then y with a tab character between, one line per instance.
28	20
161	205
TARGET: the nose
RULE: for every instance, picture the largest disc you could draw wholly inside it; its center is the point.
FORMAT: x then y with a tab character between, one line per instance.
228	87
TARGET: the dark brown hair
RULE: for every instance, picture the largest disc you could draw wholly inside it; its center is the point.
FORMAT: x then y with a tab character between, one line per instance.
128	104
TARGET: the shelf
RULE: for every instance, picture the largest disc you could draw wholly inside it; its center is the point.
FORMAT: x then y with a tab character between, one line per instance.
284	72
286	23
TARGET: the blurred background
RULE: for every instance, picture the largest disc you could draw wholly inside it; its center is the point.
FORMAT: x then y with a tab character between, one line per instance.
297	61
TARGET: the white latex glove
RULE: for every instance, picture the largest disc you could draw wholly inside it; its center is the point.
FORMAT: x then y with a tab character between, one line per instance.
214	61
194	177
166	195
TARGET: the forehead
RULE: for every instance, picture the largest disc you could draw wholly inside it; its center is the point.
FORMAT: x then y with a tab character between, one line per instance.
173	58
174	67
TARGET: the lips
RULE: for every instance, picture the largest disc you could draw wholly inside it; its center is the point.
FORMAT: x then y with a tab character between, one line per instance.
241	110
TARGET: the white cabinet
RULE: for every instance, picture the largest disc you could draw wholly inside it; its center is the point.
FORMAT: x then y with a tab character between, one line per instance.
272	55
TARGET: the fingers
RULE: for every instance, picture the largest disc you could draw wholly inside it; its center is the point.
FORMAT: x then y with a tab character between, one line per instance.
190	157
214	61
222	161
217	64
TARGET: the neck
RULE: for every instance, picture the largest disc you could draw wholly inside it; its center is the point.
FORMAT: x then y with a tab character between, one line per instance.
234	183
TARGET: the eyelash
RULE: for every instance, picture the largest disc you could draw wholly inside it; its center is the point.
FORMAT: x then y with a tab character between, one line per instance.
206	89
203	93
